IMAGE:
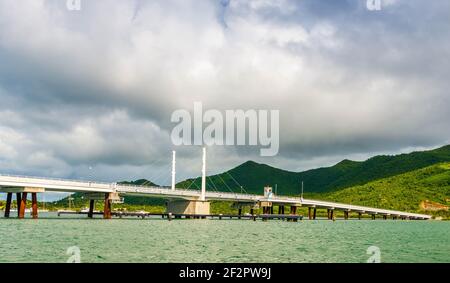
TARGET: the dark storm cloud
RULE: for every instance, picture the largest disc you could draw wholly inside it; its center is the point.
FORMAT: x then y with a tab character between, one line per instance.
89	94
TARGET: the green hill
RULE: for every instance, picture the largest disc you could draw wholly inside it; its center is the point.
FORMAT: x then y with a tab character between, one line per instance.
254	176
424	190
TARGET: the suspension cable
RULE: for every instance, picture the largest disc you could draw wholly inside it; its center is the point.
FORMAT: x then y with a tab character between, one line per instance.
240	186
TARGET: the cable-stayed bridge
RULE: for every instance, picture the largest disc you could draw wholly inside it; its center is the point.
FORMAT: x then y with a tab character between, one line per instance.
180	201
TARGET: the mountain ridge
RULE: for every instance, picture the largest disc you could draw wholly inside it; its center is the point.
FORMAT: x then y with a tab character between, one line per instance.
254	176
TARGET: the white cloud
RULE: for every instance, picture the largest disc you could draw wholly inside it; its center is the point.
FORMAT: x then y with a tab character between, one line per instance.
98	86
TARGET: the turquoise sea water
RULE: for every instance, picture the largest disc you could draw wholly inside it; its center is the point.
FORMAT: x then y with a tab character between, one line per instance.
157	240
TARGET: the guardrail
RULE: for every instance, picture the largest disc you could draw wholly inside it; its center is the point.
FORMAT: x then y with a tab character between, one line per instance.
56	179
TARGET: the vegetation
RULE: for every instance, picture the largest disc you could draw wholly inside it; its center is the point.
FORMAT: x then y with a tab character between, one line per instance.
405	192
254	176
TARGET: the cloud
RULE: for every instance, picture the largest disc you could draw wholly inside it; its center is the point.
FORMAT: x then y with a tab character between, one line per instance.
96	88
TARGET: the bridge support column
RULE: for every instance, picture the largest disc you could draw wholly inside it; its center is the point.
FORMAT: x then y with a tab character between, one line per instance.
346	215
91	208
266	207
190	207
293	210
23	205
384	217
359	215
107	207
8	204
240	213
314	213
330	213
18	202
310	213
34	206
252	212
373	216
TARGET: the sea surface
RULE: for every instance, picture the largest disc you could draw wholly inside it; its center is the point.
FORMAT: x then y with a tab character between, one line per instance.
57	239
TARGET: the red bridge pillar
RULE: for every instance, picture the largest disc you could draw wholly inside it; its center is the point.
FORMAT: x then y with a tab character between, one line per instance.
107	207
23	205
34	206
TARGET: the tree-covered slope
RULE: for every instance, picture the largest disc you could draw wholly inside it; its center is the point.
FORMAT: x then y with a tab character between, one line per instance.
254	176
406	192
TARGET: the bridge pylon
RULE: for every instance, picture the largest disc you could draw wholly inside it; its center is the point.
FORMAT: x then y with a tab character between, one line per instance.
194	207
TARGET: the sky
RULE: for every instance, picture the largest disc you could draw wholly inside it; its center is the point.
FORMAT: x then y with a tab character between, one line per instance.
89	94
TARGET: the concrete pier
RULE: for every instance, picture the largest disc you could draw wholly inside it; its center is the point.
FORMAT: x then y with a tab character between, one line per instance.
192	207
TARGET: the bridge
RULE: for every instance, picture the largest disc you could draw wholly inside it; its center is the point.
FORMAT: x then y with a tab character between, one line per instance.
180	201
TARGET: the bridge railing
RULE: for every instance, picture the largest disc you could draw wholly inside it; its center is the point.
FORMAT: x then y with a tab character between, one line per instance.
152	189
360	208
56	179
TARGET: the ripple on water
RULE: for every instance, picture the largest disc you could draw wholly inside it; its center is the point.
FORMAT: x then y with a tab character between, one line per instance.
156	240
